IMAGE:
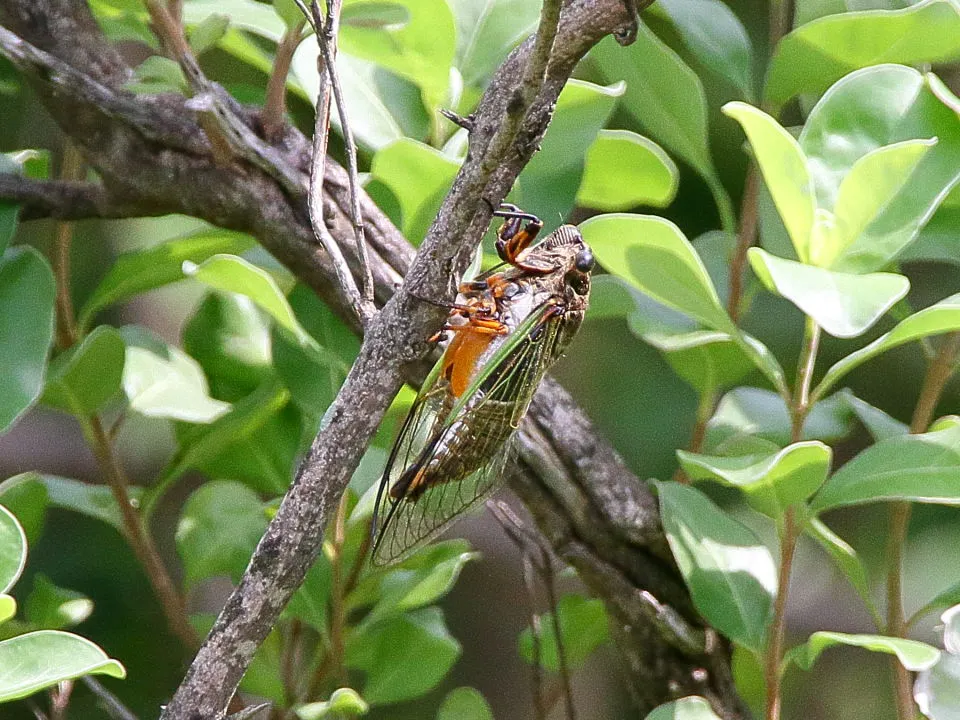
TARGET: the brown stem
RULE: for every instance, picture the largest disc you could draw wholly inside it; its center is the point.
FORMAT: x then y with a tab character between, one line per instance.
170	600
338	616
938	373
274	112
72	169
790	532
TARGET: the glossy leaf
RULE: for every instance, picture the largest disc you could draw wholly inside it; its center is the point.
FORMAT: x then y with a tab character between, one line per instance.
912	655
709	361
548	184
946	598
846	560
162	381
663	94
13	549
688	708
464	703
382	107
386	650
937	690
419	176
731	576
26	497
250	15
811	57
487	31
343	703
653	255
38	660
844	305
785	171
421	50
230	337
748	411
715	36
9	211
95	501
84	378
218	530
141	270
8	608
940	318
583	628
921	468
772	483
53	608
623	170
880	425
208	33
26	329
868	110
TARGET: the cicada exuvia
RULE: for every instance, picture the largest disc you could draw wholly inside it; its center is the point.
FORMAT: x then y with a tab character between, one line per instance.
507	328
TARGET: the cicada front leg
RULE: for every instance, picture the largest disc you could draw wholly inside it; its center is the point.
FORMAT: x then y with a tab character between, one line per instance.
516	234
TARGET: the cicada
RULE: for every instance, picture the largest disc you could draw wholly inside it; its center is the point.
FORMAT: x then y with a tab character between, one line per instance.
505	330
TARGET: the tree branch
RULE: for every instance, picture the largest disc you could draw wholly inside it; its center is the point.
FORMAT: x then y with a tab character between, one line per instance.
154	158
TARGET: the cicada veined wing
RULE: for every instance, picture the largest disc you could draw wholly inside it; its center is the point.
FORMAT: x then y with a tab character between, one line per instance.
451	450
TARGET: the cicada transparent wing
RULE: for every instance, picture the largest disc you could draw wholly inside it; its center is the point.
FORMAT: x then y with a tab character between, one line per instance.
451	451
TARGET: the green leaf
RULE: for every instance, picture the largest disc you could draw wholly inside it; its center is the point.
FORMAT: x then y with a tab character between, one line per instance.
663	94
218	530
653	255
83	379
309	603
142	270
487	31
157	74
752	412
254	442
583	628
385	652
250	15
785	171
8	608
913	655
731	576
709	361
872	183
421	50
871	109
811	57
26	497
39	660
419	176
53	608
290	13
382	106
715	37
937	690
922	468
13	549
95	501
208	33
623	169
880	425
344	702
688	708
375	14
846	560
464	703
844	305
548	184
947	598
162	381
940	318
773	482
229	336
26	330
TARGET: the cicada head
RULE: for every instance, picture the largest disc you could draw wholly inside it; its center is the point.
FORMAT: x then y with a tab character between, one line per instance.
572	260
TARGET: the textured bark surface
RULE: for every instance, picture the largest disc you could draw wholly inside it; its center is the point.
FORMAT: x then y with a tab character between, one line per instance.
154	159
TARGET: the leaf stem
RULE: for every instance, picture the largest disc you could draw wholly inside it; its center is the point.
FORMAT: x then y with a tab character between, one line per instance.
790	531
747	235
938	373
273	114
338	614
71	169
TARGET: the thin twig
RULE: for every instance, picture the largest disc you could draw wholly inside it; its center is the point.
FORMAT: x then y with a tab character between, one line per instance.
273	114
71	170
110	702
749	216
60	700
328	47
938	373
338	612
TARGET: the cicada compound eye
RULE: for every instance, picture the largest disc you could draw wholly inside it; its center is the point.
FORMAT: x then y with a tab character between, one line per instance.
584	261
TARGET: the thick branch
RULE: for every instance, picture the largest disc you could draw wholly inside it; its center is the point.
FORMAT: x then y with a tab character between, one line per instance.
152	154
